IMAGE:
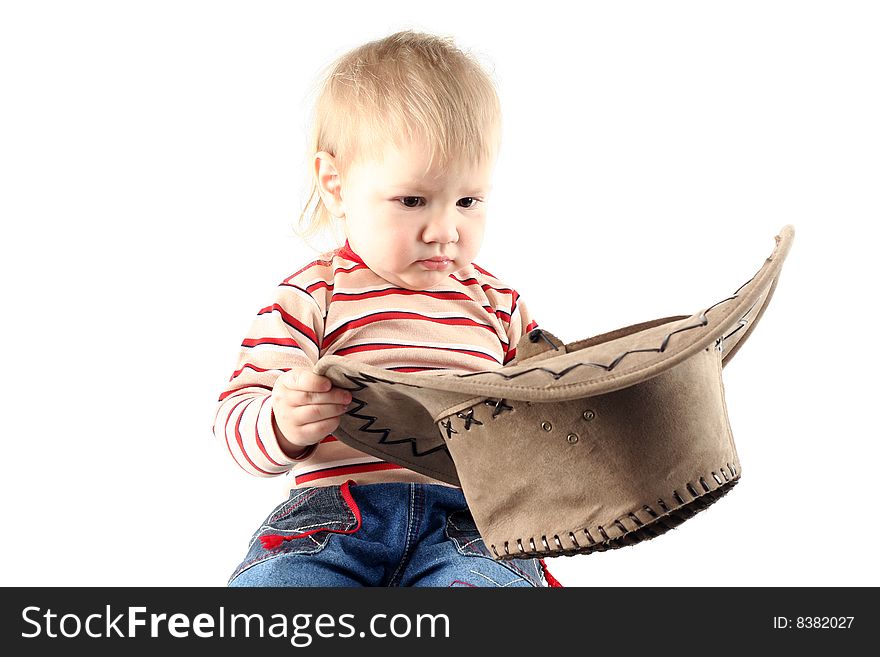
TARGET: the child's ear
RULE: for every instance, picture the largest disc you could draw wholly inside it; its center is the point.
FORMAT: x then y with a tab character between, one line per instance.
329	183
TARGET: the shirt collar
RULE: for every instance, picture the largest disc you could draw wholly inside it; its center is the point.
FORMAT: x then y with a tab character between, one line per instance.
347	252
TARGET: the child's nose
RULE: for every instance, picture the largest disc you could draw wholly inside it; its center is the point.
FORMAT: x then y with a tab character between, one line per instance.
442	227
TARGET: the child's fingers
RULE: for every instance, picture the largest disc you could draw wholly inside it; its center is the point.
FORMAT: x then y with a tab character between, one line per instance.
307	423
317	431
305	380
308	414
289	389
297	398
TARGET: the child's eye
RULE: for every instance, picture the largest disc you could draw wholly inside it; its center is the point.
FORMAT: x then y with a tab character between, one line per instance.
411	201
470	202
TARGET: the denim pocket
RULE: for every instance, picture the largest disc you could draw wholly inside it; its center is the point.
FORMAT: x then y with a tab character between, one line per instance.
303	524
462	531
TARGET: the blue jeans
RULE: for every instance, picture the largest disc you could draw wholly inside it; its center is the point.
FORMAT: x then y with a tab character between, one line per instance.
393	534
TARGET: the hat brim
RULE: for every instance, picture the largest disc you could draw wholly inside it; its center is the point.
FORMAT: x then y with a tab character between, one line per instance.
394	414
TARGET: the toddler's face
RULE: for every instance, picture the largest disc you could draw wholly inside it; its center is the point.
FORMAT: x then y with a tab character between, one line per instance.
414	229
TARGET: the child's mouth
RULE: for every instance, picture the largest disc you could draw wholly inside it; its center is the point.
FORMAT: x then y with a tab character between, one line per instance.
436	264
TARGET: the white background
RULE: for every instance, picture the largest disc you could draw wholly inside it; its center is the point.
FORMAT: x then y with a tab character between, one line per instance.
151	168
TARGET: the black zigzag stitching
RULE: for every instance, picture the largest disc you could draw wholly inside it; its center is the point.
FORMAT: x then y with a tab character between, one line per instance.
360	383
703	321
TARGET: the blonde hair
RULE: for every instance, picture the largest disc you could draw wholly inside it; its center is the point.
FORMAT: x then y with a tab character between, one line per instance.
406	86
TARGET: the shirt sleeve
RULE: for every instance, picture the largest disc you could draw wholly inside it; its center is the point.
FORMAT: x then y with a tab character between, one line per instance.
285	334
521	322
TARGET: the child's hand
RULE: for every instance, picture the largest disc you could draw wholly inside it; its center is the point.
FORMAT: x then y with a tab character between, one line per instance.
306	409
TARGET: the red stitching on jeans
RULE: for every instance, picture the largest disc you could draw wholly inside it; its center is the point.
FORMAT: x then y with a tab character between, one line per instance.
272	541
458	581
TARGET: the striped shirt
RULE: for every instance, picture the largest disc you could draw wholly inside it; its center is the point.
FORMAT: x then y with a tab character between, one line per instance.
337	305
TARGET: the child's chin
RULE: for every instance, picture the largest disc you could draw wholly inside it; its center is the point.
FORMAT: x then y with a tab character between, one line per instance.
422	281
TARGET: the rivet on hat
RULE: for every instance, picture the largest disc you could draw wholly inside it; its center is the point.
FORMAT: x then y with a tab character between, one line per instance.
538	334
589	415
546	426
572	438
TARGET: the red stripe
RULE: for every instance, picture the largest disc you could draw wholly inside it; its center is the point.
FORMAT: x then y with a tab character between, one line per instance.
250	366
281	342
226	435
227	393
467	282
532	325
393	315
470	282
294	286
238	437
241	442
473	280
346	470
323	263
486	287
501	290
316	286
380	346
290	320
260	440
341	270
373	294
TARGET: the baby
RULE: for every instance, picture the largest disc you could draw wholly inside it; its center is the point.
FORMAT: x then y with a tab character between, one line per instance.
405	138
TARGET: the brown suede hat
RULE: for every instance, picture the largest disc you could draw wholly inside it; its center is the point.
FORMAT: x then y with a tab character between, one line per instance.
573	448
